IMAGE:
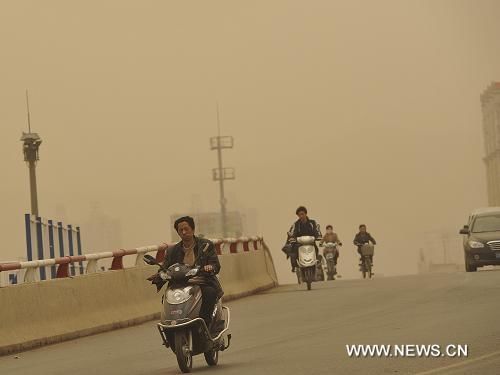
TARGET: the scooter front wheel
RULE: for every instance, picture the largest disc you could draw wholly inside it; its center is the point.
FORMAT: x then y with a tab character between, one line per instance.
299	275
308	275
184	356
212	357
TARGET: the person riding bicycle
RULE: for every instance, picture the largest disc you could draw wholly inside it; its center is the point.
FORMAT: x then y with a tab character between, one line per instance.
361	238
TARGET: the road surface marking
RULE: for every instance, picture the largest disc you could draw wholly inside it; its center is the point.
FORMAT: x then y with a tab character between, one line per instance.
460	364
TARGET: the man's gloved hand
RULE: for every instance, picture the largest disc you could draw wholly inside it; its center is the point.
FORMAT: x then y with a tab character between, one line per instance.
208	268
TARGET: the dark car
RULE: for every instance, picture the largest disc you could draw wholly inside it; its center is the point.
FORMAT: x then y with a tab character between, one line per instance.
482	239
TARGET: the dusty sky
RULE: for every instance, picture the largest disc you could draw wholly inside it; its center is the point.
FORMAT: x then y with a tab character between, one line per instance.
362	111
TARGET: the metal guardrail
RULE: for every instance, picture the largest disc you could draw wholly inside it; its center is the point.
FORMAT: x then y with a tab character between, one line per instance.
222	246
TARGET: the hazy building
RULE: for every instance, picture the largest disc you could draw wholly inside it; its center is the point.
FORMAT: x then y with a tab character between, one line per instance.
209	224
490	101
101	232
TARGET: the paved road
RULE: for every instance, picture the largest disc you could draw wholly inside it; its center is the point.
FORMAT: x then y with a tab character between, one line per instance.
291	331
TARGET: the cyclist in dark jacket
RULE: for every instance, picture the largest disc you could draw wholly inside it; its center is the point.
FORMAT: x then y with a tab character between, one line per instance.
363	237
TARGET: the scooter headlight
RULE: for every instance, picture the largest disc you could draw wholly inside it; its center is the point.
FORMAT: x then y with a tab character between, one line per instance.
192	272
178	296
164	275
306	240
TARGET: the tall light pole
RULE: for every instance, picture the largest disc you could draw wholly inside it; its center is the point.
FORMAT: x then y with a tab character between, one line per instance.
31	143
445	239
221	174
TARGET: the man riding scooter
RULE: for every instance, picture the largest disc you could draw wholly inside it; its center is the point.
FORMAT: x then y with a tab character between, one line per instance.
193	320
195	251
331	236
302	227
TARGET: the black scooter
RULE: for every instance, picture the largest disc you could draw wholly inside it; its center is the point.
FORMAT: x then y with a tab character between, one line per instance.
181	327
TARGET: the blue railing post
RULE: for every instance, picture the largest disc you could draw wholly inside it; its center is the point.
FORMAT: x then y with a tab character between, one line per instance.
12	278
39	242
79	247
70	244
29	249
61	238
51	248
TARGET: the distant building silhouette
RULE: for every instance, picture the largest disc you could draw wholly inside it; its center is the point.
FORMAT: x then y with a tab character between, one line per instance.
102	232
490	101
209	224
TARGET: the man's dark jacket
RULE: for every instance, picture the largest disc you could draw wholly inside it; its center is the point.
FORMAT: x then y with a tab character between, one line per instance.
362	238
204	254
307	228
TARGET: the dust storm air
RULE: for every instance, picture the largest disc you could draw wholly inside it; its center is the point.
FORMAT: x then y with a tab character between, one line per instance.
364	112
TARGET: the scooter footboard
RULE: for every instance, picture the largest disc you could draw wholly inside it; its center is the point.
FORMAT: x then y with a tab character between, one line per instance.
223	339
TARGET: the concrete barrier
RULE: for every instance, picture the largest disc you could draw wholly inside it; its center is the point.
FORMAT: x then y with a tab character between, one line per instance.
257	270
36	314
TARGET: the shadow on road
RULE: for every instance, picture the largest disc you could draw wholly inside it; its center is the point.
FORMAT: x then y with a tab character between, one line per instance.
497	269
298	288
199	367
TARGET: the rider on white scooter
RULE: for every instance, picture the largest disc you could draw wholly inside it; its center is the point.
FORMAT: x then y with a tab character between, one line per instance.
302	227
331	236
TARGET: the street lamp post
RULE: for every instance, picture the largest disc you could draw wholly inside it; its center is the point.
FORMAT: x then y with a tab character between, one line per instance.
221	174
31	143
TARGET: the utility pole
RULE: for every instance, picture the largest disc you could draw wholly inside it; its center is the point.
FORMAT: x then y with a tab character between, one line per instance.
31	143
221	174
445	238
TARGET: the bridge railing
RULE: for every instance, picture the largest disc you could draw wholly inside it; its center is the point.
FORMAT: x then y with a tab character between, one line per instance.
89	262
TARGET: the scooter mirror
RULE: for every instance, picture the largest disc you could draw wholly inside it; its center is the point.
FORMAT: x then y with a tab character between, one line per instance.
150	260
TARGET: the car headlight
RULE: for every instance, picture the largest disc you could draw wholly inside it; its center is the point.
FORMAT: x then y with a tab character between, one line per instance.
476	245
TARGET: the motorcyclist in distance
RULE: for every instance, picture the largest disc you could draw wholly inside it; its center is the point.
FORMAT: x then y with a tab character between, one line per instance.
331	236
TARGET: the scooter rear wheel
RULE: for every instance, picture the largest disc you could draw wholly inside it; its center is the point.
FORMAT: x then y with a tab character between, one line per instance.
184	356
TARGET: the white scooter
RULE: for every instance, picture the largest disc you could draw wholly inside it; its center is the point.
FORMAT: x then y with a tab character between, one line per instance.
307	259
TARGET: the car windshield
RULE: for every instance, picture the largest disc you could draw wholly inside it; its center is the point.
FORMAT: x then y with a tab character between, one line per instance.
490	223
